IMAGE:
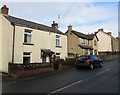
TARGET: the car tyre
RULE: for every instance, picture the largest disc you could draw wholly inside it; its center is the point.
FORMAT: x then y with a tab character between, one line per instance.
77	67
101	64
91	66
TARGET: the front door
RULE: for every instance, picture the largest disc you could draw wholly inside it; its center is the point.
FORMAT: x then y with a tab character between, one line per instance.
44	59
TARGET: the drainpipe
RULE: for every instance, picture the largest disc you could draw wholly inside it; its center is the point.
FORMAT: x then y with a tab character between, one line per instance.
13	46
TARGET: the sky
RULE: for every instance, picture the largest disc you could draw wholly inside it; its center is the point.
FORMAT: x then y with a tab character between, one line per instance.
86	17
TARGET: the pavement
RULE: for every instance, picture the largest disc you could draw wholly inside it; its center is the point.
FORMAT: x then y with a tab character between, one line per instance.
83	80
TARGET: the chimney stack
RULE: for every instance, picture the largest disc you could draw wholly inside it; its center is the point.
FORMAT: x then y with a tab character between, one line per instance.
4	10
70	28
109	33
100	29
54	25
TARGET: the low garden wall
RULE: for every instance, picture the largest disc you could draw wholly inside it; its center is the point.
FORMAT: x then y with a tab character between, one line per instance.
63	64
110	56
22	70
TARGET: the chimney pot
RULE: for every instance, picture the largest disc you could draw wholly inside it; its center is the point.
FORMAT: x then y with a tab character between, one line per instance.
53	22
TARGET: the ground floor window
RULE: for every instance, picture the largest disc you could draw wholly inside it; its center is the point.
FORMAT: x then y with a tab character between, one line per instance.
57	55
86	52
26	57
95	52
91	51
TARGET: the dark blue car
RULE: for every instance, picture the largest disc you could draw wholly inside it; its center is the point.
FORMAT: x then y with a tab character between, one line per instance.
88	60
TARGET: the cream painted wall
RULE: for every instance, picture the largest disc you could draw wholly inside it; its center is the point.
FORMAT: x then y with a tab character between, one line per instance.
0	42
38	38
95	47
104	43
63	43
41	40
7	30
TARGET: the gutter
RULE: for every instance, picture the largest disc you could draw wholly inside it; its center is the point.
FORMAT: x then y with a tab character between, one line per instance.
13	43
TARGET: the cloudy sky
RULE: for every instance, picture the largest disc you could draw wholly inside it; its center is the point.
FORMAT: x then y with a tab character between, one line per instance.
86	17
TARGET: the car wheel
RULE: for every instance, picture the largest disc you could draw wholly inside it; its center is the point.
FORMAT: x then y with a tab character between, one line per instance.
101	64
91	66
77	67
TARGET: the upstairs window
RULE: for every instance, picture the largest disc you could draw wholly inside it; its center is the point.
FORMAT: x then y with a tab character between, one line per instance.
27	36
95	42
82	41
57	40
88	42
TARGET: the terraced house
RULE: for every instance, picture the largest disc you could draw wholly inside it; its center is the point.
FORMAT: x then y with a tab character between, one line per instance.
105	41
81	44
23	41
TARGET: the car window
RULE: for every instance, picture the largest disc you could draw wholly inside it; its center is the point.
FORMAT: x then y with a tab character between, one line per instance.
83	57
93	57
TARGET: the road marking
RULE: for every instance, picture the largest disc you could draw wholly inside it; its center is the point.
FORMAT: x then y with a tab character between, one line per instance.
72	69
66	87
27	79
103	71
12	82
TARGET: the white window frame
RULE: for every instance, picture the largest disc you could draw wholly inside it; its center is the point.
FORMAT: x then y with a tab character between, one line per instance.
29	55
57	40
82	41
58	55
28	33
95	43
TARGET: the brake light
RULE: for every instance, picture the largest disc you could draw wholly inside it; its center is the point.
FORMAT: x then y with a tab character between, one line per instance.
88	61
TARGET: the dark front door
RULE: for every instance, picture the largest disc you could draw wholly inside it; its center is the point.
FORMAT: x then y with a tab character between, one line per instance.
44	59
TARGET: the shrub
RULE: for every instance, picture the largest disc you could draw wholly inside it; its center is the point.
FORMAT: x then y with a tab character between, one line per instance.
70	61
58	62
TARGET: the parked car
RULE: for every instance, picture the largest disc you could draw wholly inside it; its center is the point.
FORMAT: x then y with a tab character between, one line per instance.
88	60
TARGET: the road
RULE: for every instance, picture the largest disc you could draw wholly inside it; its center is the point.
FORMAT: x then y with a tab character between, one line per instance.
97	80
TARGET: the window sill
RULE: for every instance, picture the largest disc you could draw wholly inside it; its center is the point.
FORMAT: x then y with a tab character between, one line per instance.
28	44
59	46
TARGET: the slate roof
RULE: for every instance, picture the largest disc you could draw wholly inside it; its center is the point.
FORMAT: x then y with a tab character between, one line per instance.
91	36
81	35
86	47
84	36
30	24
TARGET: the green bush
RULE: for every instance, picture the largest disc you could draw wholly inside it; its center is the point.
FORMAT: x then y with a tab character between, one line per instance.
58	62
70	61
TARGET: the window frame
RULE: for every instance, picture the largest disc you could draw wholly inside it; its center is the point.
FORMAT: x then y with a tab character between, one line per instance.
26	54
82	41
95	43
27	36
58	55
58	41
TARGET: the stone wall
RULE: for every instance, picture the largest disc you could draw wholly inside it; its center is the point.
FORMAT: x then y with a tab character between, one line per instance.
109	57
22	70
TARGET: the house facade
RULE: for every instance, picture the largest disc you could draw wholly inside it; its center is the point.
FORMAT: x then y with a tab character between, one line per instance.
115	44
24	41
81	44
104	43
